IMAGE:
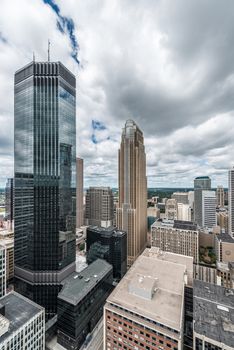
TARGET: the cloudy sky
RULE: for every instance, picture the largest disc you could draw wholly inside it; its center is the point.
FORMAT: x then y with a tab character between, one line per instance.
169	65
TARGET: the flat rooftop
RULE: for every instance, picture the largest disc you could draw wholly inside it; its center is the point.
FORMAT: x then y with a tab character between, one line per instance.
153	287
214	312
77	285
107	231
18	311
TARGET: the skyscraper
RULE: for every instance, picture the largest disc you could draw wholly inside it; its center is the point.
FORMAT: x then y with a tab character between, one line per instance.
231	202
45	180
79	192
131	213
220	196
99	208
200	183
9	200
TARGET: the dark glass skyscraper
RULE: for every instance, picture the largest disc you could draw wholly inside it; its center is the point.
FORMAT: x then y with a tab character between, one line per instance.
45	180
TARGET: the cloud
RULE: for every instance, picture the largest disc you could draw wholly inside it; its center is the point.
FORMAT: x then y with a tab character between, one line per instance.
167	65
66	26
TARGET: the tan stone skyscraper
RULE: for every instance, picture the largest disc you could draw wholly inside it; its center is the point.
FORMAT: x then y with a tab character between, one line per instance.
131	214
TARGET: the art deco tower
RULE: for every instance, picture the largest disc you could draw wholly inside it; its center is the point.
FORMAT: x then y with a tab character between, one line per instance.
131	213
45	180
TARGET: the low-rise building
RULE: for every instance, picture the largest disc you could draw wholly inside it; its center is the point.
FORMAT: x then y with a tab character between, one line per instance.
224	246
180	237
213	317
22	323
80	303
146	309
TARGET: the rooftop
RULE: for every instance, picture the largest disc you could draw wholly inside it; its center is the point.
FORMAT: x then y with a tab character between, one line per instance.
225	237
201	177
18	311
214	312
77	285
107	231
154	287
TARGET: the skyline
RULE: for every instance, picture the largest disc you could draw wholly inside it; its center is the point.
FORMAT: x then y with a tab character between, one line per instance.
154	65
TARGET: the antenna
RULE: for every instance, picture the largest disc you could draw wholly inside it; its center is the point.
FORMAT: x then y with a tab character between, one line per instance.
33	56
48	50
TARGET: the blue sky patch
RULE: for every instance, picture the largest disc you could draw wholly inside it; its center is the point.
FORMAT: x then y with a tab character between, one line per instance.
66	26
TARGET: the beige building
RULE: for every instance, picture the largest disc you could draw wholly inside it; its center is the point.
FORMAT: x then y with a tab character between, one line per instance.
220	196
79	192
171	210
146	309
99	206
178	237
131	214
222	220
224	246
180	197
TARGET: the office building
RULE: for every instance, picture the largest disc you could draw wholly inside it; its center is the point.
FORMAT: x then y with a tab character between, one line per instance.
99	206
80	303
171	210
9	200
184	212
153	213
146	309
45	180
79	192
222	220
179	237
180	197
8	246
22	323
109	244
220	196
231	202
224	247
209	219
200	183
225	274
131	214
213	317
205	273
2	270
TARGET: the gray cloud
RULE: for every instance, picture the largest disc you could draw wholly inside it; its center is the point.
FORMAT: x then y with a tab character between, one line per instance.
166	64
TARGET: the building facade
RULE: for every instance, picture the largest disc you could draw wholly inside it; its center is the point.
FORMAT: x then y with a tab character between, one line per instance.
45	180
231	202
171	210
8	245
131	214
184	212
2	271
80	303
79	192
9	200
99	206
224	247
209	218
146	309
220	196
22	323
222	220
179	237
109	244
200	183
180	197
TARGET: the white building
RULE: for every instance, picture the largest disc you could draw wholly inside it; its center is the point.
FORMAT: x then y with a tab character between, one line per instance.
184	212
22	323
231	201
209	218
2	271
